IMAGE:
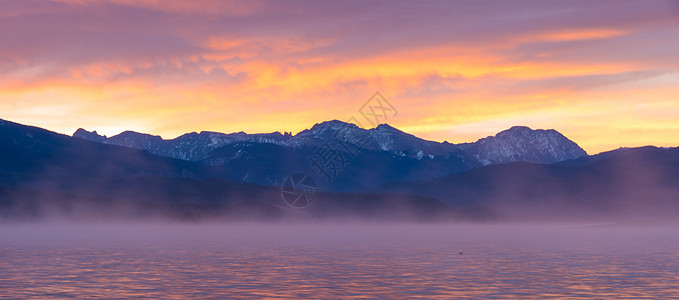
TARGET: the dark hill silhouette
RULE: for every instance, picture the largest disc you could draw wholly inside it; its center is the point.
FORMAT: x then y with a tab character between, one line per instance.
44	174
633	182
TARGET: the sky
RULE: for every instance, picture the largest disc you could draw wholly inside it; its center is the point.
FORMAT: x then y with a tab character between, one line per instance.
605	73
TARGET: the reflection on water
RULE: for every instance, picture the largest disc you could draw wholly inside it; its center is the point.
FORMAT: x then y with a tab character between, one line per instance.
376	267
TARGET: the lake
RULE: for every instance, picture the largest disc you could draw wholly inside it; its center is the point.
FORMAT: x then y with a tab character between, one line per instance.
326	261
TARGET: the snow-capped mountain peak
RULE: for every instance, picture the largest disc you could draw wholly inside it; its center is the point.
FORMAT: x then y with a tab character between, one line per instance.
518	143
521	143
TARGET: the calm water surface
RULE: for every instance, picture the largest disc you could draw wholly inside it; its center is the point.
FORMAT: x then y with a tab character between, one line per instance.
335	261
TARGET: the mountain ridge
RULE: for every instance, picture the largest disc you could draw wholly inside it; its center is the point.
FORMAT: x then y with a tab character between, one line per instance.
515	142
44	172
351	158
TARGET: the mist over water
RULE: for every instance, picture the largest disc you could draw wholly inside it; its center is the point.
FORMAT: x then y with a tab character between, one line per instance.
338	260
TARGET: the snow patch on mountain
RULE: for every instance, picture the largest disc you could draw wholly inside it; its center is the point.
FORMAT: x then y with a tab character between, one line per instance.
518	143
521	143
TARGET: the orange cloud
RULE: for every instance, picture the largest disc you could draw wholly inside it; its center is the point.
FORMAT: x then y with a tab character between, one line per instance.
576	35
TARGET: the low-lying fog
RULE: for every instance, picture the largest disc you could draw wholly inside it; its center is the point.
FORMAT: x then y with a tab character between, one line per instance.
331	234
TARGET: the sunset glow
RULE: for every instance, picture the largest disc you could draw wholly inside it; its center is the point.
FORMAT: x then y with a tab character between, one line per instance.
605	74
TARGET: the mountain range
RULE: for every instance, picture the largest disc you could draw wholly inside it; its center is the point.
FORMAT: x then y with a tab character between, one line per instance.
383	173
267	159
